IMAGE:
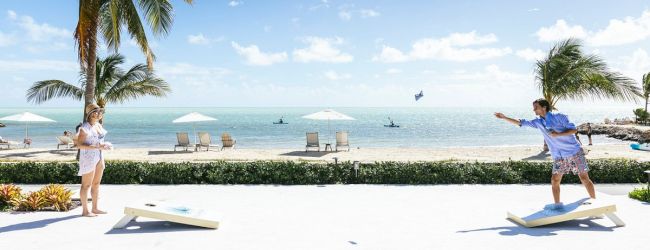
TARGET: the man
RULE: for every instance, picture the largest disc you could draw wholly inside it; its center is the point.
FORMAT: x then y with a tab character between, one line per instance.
567	154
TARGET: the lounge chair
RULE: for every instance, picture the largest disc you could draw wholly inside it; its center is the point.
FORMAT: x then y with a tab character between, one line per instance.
227	141
183	141
9	144
312	141
342	140
64	141
204	142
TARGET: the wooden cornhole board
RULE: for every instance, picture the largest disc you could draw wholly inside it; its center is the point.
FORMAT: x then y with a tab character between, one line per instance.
580	209
169	211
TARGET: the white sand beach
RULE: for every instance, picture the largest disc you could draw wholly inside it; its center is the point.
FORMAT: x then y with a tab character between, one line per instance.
482	154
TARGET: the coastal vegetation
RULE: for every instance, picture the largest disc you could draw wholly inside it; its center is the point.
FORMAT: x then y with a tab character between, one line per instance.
305	173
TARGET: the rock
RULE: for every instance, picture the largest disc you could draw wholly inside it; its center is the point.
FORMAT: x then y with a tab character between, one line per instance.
622	132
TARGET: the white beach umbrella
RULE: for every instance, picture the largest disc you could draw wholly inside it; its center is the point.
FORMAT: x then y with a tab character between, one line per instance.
328	114
194	117
26	117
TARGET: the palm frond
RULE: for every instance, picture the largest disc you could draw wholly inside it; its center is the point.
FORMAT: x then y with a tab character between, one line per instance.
159	14
137	85
111	24
135	28
43	91
566	73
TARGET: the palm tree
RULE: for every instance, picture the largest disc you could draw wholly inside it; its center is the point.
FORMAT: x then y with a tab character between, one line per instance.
114	85
108	18
646	89
568	74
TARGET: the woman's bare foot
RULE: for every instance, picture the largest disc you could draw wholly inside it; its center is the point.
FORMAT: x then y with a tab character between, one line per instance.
87	214
97	211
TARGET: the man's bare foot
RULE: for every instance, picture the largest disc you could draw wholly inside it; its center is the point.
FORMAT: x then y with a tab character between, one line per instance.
88	214
97	211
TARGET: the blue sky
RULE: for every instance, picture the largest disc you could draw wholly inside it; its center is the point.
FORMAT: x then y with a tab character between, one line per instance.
336	53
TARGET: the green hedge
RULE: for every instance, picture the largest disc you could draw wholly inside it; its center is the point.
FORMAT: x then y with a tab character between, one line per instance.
297	173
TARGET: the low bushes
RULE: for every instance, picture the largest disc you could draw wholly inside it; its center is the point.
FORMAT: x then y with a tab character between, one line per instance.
299	173
642	194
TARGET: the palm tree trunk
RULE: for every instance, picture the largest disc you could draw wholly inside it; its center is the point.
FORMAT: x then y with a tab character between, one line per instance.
91	61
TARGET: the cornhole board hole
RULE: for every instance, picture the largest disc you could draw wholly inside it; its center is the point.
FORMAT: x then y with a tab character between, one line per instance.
169	211
580	209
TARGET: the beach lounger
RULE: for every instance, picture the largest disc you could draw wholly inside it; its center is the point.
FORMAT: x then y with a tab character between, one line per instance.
205	142
183	141
9	144
312	141
342	140
64	141
582	208
169	211
227	141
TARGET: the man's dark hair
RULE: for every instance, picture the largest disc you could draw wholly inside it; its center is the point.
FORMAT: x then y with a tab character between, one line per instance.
544	103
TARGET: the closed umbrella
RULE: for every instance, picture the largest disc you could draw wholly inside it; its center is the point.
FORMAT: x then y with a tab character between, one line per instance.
328	114
194	117
26	117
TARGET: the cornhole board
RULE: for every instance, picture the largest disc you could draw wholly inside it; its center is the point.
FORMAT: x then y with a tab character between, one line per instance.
580	209
169	211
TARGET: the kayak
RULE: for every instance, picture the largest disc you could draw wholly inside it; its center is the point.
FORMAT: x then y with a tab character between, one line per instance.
637	146
391	126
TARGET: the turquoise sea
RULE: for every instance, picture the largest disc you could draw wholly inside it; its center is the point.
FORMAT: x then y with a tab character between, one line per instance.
253	127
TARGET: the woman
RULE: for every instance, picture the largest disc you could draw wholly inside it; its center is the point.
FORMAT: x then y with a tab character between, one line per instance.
567	154
91	160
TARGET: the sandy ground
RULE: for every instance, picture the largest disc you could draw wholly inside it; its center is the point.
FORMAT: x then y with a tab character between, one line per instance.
484	154
333	217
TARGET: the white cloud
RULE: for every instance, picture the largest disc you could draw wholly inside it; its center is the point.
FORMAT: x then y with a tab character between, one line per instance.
450	48
7	39
529	54
345	15
617	32
38	65
492	74
322	4
635	65
201	39
197	39
471	38
560	30
624	31
322	50
332	75
533	10
393	71
12	15
185	73
235	3
367	13
254	56
390	55
41	32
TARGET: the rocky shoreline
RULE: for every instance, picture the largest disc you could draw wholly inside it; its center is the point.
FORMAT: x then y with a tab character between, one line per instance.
630	132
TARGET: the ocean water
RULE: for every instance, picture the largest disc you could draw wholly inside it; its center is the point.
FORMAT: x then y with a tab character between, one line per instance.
253	127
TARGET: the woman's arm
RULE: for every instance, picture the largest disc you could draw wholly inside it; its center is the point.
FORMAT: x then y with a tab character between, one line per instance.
508	119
